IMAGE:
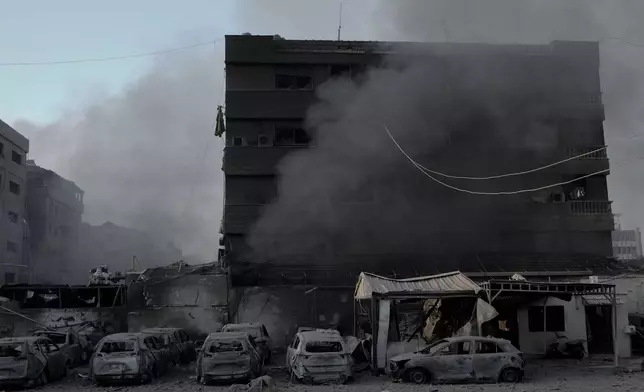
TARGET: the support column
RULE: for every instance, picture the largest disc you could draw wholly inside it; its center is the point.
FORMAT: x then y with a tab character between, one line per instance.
614	314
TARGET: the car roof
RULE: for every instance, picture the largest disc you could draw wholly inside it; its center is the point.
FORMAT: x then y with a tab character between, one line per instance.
478	338
244	325
161	330
122	336
227	335
320	334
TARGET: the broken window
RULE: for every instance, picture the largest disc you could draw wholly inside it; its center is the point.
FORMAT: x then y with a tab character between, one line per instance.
486	348
9	277
238	141
17	158
14	188
554	318
459	348
12	216
293	82
118	347
287	136
220	346
324	347
12	350
340	70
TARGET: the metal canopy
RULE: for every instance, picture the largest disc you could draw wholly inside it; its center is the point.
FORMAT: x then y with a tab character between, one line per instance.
508	287
597	291
442	285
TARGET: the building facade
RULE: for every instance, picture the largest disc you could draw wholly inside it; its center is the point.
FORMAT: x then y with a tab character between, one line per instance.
627	244
14	258
54	211
271	84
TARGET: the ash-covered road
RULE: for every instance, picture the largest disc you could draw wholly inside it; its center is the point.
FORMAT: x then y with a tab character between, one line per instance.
539	377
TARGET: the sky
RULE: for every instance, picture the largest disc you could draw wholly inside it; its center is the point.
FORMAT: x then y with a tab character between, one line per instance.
157	110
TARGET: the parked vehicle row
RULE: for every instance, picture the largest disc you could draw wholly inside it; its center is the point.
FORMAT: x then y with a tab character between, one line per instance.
140	357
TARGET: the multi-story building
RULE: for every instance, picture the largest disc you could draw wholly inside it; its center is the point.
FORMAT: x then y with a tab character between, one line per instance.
54	211
14	258
627	244
565	229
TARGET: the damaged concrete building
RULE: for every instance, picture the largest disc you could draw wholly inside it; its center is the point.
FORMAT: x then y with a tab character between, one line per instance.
293	125
55	208
14	261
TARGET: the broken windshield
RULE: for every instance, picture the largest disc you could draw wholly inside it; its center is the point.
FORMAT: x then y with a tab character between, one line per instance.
118	347
226	346
14	350
324	347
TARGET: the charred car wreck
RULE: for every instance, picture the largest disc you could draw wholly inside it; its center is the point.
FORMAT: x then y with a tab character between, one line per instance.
319	356
30	361
228	356
460	359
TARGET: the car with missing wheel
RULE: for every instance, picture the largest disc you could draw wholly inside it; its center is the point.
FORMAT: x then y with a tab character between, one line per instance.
31	361
319	356
460	359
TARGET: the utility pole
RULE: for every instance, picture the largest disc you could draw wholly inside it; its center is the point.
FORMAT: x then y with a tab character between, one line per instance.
340	22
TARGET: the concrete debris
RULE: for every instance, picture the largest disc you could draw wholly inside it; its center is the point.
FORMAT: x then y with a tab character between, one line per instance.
260	384
103	276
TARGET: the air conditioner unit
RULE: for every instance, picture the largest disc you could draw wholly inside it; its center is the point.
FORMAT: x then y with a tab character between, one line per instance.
558	197
263	140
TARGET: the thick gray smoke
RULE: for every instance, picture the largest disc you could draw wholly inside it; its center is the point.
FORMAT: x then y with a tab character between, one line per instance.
437	125
616	25
147	158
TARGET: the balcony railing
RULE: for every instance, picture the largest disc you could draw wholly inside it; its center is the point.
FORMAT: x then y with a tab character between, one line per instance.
590	207
593	152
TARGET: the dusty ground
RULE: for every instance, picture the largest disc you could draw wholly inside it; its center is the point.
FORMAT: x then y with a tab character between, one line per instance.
540	376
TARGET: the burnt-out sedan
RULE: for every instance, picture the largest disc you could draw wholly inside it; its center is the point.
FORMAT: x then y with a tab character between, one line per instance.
319	356
460	359
29	361
228	356
124	357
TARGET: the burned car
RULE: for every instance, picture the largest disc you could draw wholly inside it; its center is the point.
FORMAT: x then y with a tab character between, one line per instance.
29	361
70	342
126	357
182	347
460	359
228	356
258	332
319	356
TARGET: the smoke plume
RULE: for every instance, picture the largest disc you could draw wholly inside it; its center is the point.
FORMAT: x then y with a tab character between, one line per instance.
467	127
147	158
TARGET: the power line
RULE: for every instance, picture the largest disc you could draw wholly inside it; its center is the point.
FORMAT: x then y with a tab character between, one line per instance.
100	59
503	192
513	174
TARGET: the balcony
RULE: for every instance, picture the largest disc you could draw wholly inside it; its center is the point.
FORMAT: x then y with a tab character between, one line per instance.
254	161
590	207
268	104
595	161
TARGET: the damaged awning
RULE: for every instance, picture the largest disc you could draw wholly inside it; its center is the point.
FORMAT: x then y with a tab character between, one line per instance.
451	283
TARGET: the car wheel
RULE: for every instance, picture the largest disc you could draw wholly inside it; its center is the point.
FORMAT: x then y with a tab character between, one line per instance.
418	376
510	375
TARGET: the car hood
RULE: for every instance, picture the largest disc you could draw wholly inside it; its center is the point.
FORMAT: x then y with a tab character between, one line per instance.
405	357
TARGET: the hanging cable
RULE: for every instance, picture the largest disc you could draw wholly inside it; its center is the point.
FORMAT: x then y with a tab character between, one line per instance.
503	192
514	174
100	59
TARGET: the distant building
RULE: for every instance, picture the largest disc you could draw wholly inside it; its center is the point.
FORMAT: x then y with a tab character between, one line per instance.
627	244
54	211
14	258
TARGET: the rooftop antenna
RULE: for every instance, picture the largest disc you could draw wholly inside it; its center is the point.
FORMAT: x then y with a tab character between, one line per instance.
340	23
